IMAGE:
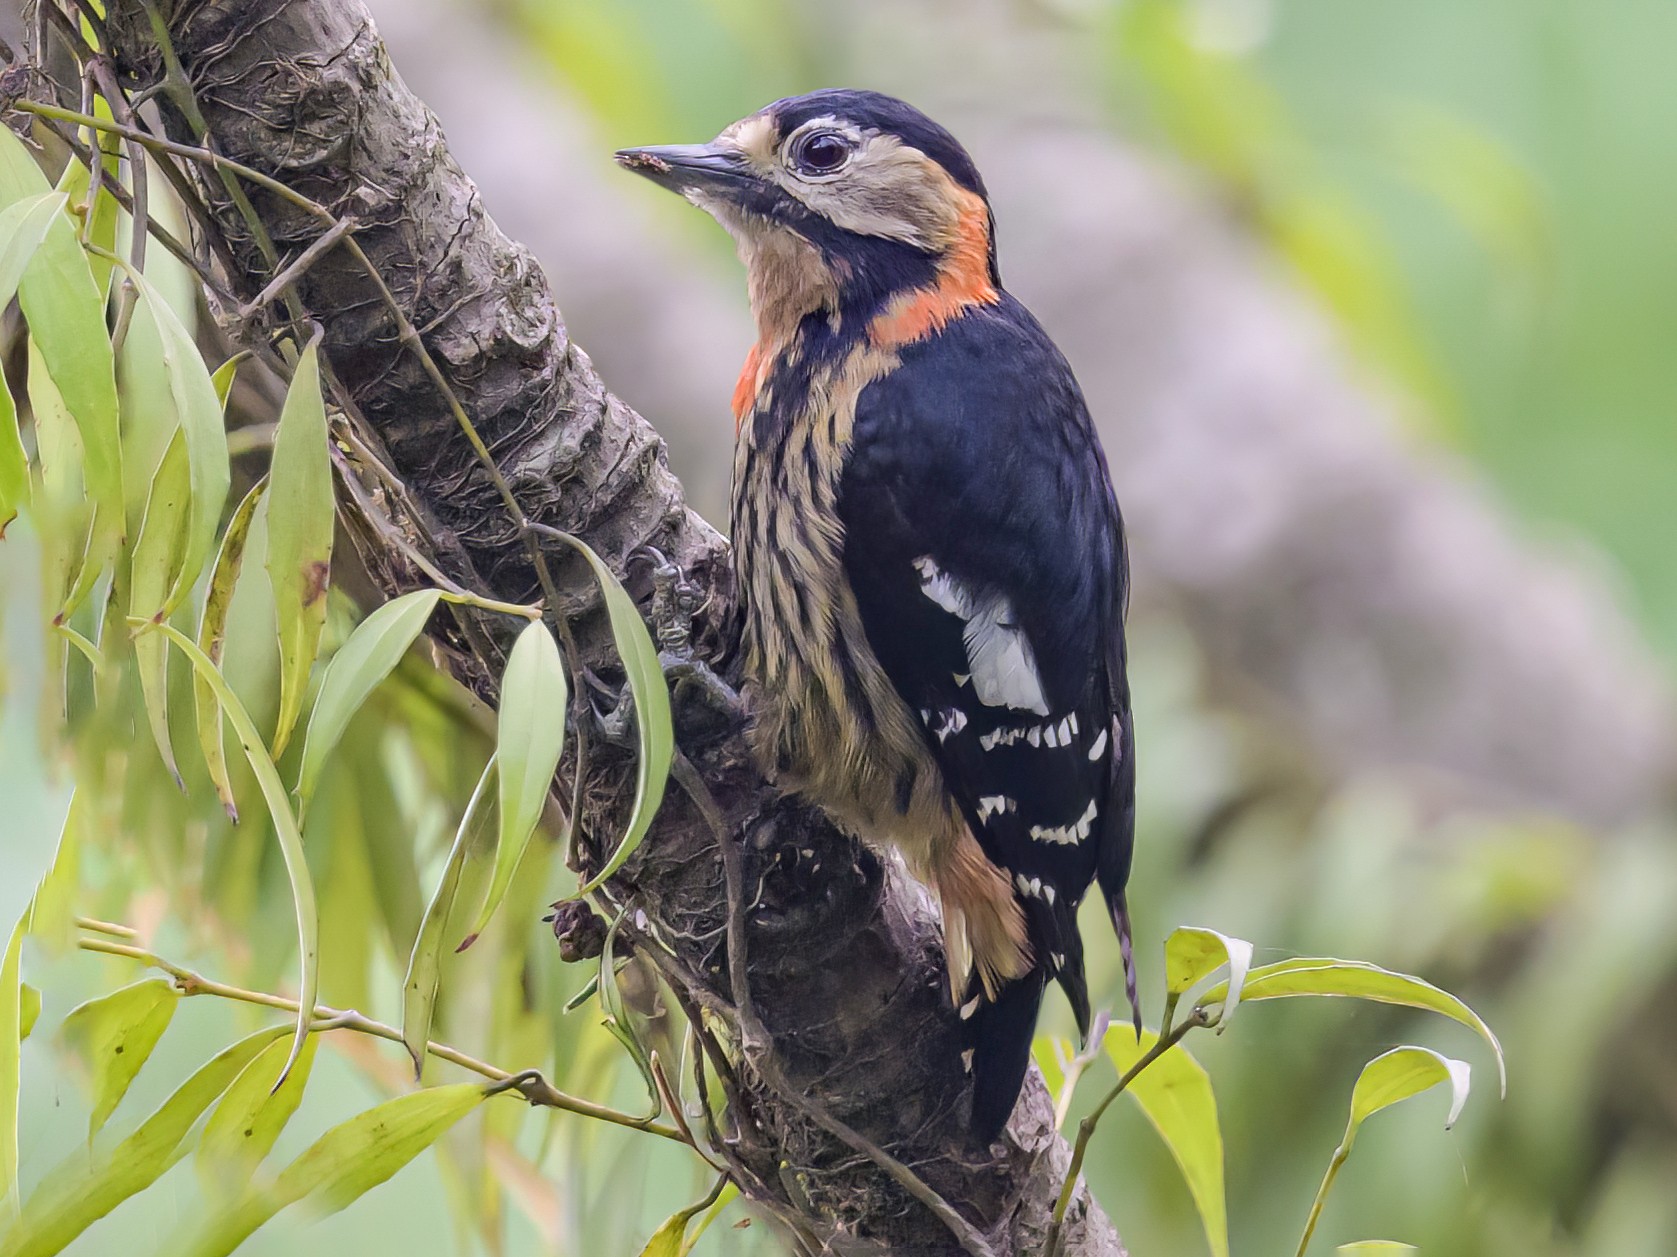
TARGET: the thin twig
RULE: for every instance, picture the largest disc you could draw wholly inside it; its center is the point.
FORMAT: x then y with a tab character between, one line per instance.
295	270
530	1083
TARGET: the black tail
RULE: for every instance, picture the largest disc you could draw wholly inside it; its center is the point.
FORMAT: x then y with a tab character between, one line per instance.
1000	1037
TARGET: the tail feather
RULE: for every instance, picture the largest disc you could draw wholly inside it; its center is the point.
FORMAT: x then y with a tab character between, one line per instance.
1120	907
1000	1033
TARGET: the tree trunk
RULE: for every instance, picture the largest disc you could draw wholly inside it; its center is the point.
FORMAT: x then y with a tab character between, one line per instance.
843	954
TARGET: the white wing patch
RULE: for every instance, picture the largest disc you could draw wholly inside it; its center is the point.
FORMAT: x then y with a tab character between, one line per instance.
1075	832
1003	670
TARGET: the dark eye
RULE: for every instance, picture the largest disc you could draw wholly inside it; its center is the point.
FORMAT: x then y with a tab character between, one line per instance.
820	152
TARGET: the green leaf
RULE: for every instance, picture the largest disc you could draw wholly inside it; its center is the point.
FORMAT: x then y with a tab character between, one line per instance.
1389	1079
14	462
299	536
372	651
652	712
224	375
149	418
726	1197
1174	1094
116	1033
250	1117
1354	979
29	1010
12	1034
419	986
1193	954
198	410
212	637
1375	1248
60	502
530	735
153	573
23	225
52	911
83	1189
344	1164
1403	1072
616	1019
66	313
672	1240
285	829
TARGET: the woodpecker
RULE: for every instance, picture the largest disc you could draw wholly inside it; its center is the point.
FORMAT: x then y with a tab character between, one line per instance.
930	555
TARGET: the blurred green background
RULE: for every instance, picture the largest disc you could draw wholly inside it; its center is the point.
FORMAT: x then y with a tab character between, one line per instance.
1479	197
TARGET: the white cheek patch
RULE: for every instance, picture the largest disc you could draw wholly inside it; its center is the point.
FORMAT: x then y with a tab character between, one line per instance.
1003	670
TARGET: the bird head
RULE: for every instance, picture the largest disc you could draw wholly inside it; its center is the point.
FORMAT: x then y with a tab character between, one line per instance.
838	200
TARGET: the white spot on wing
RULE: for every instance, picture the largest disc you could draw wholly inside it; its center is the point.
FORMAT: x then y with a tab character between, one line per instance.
1003	671
969	1008
1098	747
1075	832
993	805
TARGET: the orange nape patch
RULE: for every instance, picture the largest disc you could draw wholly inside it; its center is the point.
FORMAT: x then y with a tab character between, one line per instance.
745	391
963	281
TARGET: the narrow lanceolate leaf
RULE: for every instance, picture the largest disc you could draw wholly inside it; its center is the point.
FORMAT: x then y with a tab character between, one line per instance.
372	651
299	536
52	911
285	829
243	1128
617	1014
224	375
155	568
343	1164
66	314
29	1010
1193	954
1174	1094
14	462
530	734
652	712
149	418
82	1188
23	225
198	410
115	1035
212	637
12	1034
1389	1079
58	494
672	1240
1353	979
419	987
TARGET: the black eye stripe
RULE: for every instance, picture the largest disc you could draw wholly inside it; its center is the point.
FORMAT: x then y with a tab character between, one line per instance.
820	152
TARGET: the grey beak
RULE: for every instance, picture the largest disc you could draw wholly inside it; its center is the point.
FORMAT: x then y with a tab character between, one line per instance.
687	167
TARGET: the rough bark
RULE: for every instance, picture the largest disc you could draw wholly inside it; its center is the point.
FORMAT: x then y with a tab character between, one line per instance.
843	952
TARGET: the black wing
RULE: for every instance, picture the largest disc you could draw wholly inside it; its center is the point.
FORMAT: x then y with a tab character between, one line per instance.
986	552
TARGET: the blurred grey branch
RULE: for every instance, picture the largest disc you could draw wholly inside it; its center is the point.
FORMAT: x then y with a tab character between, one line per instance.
1367	588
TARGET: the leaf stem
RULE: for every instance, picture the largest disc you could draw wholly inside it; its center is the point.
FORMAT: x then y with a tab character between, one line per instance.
1086	1128
1339	1155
